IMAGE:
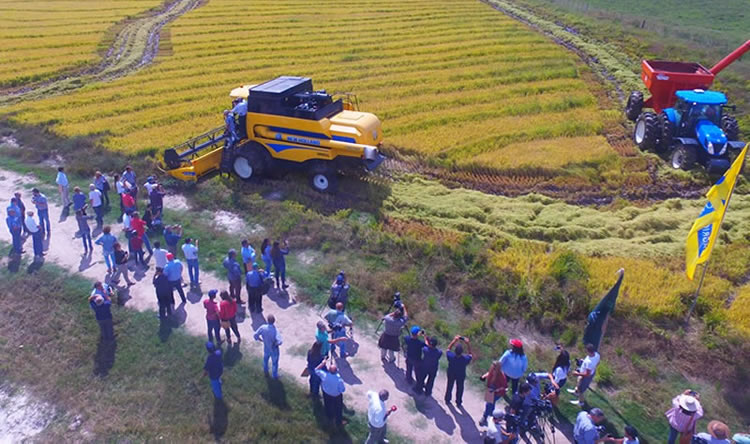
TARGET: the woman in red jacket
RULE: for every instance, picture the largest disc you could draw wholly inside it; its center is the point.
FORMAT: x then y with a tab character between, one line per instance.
228	316
497	384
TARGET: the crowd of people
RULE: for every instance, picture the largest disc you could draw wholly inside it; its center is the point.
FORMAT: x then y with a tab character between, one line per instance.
527	394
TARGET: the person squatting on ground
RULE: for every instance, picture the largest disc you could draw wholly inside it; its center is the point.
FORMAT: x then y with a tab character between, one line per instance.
42	208
338	322
333	392
514	363
585	374
108	241
62	186
213	324
414	344
279	263
173	270
214	368
85	230
684	415
164	293
228	316
101	184
389	340
96	202
121	265
234	275
428	368
254	285
37	235
496	433
377	415
190	250
271	338
584	430
457	363
497	385
101	302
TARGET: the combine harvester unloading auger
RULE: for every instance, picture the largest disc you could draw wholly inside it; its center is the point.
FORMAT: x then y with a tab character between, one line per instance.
288	126
688	119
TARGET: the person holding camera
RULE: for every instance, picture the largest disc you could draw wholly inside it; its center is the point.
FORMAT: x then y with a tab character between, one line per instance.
514	363
393	322
338	322
585	430
683	416
585	374
631	437
497	384
414	345
428	369
457	362
339	291
496	433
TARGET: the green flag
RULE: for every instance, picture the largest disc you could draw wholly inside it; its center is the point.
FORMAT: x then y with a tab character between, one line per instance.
596	323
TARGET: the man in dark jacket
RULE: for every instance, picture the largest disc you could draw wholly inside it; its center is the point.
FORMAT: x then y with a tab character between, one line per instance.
102	304
414	345
214	368
164	293
428	369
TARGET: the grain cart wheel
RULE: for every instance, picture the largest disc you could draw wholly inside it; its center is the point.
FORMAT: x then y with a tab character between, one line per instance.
634	106
646	132
667	132
323	179
683	157
249	163
730	127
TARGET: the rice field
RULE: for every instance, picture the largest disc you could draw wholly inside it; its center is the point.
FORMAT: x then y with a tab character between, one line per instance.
452	80
41	39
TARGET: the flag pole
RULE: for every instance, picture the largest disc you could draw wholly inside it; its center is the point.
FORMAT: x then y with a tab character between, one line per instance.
705	265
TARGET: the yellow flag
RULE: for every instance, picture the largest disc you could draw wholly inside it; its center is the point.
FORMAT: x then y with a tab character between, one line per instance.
702	236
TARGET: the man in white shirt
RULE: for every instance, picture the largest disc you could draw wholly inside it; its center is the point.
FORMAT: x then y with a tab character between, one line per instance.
36	234
190	250
62	186
95	200
495	431
150	184
160	255
377	414
585	374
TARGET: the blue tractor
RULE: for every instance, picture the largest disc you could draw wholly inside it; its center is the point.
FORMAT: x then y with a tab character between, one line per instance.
696	129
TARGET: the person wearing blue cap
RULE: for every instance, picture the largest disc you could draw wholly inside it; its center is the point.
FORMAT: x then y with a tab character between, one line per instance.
339	291
414	345
214	368
254	285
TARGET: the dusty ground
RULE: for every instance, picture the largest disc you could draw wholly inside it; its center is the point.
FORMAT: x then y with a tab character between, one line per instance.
22	416
419	418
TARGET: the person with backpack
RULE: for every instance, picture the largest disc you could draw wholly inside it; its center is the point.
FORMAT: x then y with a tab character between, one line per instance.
339	291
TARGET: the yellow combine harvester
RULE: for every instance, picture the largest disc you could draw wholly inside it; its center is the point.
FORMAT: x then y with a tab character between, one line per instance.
288	126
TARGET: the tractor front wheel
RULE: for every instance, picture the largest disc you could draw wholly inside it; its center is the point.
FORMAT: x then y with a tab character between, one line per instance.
323	179
634	106
646	131
684	157
248	164
730	127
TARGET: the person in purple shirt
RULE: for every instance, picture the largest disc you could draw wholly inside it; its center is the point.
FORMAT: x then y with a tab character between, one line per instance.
102	306
457	362
428	367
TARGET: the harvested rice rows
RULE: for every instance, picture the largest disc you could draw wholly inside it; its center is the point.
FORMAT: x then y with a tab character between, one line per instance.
453	80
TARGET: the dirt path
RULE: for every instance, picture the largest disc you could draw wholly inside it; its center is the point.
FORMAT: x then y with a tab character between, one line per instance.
134	46
419	418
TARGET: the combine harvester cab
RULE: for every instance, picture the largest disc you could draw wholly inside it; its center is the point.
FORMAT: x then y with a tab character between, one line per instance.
288	126
687	120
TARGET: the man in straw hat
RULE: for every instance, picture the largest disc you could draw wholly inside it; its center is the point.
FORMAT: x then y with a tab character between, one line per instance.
718	433
684	415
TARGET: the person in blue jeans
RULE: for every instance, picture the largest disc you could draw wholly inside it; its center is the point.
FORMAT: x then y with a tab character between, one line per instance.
42	208
15	228
190	250
271	338
108	241
457	362
214	368
173	270
85	230
338	322
514	363
279	263
37	235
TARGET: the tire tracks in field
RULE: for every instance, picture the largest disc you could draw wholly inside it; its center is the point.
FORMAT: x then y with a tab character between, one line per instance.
134	46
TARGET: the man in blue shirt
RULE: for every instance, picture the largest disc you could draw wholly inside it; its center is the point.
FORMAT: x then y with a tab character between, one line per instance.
14	226
22	207
62	185
339	321
214	368
271	339
102	304
129	176
457	363
234	275
585	431
333	392
230	131
248	255
240	110
429	367
40	201
172	235
79	200
173	271
414	346
254	283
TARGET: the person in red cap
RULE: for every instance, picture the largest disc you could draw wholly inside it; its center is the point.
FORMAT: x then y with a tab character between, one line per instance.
514	363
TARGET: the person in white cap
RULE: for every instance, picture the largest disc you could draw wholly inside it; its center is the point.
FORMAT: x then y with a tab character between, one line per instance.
684	415
497	433
718	433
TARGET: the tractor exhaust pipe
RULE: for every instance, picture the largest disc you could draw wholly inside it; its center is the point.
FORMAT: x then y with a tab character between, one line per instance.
734	55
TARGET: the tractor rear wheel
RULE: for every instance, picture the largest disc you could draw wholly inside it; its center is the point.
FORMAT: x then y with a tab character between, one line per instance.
646	131
249	163
730	127
667	132
684	157
323	179
634	106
